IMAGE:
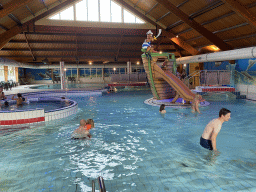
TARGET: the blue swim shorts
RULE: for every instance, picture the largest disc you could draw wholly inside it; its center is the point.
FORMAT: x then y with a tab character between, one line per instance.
207	144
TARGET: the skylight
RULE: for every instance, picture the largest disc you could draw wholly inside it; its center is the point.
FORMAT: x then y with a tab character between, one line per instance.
97	10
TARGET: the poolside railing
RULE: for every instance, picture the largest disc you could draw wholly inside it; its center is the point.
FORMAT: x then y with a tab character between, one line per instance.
208	77
129	77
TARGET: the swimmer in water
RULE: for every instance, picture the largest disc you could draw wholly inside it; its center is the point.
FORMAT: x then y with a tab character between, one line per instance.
83	130
208	138
2	95
195	103
162	109
19	99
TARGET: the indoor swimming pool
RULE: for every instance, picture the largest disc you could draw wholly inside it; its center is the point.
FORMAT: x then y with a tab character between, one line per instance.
134	148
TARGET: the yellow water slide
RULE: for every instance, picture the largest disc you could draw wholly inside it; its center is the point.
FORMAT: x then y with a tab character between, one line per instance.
163	80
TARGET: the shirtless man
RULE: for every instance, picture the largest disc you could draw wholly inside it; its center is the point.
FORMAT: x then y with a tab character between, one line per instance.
19	99
208	138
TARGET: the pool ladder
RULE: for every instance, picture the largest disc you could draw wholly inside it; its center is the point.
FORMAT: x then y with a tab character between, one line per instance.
101	185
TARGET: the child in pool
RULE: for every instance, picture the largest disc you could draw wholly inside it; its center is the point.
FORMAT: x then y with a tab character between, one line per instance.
83	130
195	103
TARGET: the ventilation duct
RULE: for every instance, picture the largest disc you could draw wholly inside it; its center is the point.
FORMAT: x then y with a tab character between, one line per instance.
245	53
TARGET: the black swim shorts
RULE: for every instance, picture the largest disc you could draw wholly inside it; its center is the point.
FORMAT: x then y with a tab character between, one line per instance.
207	144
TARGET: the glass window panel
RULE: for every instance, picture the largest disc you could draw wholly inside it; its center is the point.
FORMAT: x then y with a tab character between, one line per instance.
93	72
93	10
128	17
99	72
56	17
105	10
81	73
122	70
106	72
68	73
116	12
1	73
74	72
81	11
67	14
138	20
87	72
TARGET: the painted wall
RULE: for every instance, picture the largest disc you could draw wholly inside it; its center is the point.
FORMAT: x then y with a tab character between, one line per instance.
212	66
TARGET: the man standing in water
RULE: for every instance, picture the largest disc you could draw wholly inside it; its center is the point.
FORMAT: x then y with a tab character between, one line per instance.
208	138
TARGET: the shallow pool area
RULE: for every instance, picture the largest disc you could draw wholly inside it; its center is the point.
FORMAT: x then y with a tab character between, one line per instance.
134	148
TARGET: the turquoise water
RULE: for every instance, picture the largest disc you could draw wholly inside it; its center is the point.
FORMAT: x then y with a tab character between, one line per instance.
133	148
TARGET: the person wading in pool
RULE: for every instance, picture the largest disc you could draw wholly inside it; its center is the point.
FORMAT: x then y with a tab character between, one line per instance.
83	130
208	138
19	99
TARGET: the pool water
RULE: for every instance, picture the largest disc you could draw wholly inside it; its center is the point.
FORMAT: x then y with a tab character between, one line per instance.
46	105
134	148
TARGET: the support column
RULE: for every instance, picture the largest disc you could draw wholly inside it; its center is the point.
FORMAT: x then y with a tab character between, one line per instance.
5	73
129	69
17	74
77	75
232	66
62	75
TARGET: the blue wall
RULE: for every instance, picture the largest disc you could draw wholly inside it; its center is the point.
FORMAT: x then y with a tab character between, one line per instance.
241	65
211	66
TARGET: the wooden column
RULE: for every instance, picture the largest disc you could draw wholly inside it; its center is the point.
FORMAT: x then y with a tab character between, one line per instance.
5	73
17	74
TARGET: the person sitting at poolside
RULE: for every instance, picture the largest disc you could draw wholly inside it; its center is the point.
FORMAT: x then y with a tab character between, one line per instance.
19	99
195	103
66	100
2	96
208	138
83	130
162	109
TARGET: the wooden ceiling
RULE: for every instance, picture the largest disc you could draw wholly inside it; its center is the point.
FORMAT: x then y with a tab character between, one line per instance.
190	27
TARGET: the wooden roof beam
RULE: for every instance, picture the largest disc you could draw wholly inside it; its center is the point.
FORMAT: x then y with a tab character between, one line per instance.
168	34
184	2
200	29
8	8
242	11
8	35
29	47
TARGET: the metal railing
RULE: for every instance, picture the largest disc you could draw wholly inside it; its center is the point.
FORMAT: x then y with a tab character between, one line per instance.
102	187
129	77
208	77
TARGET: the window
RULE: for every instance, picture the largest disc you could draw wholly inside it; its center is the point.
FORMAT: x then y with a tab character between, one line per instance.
97	10
56	17
11	73
128	17
93	72
105	10
99	72
116	12
93	11
81	11
67	14
1	73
